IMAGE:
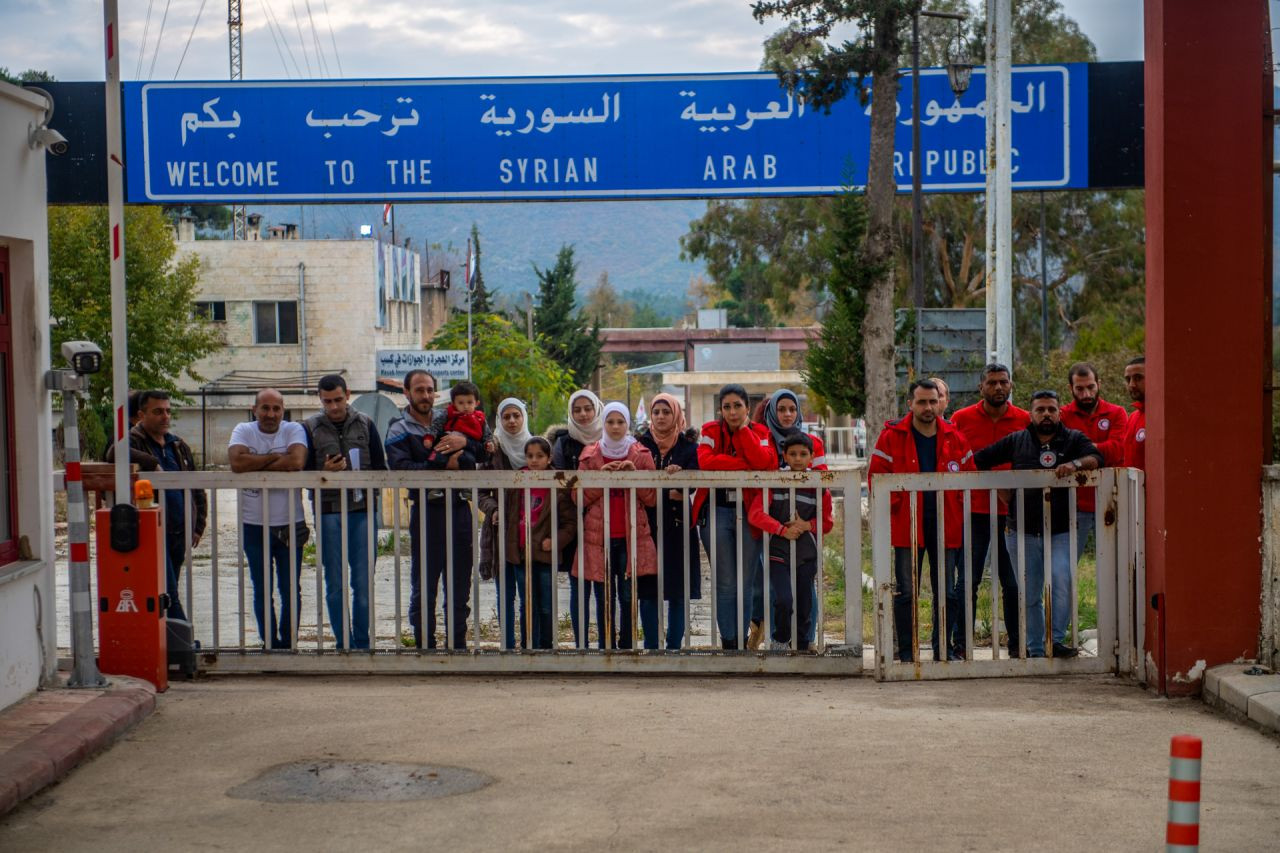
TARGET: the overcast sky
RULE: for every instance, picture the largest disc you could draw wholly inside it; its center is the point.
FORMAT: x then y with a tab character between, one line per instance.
430	38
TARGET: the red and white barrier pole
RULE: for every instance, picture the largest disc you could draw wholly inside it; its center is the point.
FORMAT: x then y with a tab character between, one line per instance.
1182	833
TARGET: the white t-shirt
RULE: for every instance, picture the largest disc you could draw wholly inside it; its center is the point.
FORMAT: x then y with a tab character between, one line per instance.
248	435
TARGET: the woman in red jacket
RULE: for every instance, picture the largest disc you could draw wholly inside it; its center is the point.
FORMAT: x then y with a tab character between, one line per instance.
733	443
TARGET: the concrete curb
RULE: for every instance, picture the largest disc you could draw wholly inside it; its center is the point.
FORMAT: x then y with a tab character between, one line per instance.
52	753
1245	692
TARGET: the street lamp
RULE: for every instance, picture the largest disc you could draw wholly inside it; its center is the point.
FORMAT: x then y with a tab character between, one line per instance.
959	63
960	76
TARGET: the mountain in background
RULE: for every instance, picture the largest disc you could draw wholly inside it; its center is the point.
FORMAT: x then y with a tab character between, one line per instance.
636	242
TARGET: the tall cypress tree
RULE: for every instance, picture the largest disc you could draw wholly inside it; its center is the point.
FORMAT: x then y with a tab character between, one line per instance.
563	329
480	301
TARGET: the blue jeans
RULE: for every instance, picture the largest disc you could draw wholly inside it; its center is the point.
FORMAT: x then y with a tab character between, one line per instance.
675	623
284	623
723	526
1060	555
358	563
581	632
543	629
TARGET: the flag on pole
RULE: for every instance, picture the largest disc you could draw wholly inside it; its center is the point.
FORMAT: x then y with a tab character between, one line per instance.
386	214
642	417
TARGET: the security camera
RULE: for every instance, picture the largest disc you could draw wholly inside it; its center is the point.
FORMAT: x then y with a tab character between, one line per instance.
85	357
46	137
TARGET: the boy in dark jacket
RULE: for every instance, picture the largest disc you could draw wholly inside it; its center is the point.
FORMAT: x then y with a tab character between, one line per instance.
793	543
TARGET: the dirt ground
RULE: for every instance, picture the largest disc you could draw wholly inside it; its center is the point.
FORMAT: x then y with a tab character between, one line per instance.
668	763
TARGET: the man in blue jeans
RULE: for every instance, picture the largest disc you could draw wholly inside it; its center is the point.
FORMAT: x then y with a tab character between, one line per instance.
1045	445
342	439
270	443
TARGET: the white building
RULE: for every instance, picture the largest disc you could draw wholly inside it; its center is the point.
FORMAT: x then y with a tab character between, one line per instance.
293	310
28	641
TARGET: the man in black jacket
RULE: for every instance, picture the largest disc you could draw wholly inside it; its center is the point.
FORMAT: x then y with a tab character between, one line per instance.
1043	446
152	447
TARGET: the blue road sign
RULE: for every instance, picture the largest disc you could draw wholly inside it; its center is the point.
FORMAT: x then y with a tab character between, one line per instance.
515	139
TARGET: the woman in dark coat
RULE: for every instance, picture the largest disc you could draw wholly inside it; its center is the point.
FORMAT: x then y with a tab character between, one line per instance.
672	451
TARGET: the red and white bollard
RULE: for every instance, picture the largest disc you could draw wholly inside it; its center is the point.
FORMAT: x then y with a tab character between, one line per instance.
1182	833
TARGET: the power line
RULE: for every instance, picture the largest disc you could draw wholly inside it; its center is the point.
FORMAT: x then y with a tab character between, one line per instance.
142	49
159	38
315	37
185	47
271	14
302	43
276	41
336	58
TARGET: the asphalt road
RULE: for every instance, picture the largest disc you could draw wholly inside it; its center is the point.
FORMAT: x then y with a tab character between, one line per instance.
668	763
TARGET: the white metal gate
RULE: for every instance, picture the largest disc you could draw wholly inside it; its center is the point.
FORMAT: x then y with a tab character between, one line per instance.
1116	577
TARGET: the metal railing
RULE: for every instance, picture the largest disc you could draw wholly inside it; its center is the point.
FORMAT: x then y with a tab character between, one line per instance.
844	444
1115	577
217	587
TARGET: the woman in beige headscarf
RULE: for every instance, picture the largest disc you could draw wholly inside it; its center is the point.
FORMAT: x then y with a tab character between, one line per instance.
673	450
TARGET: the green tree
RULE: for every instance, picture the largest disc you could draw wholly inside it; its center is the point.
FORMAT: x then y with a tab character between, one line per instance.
606	307
824	74
165	336
565	332
208	217
508	364
31	75
480	301
834	364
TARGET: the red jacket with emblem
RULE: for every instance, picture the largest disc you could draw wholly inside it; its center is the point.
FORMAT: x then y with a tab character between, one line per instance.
895	453
1135	438
1105	427
980	431
722	449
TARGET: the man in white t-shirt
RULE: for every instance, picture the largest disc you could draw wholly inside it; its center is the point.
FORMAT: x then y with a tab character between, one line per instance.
270	443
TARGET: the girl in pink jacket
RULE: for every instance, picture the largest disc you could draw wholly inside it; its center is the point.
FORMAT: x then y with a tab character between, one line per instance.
612	545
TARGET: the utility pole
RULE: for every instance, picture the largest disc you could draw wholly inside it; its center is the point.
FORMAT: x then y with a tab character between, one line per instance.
999	197
239	227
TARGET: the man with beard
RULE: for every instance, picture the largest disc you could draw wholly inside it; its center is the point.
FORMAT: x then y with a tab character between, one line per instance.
924	442
1135	436
1104	423
407	450
1043	446
983	424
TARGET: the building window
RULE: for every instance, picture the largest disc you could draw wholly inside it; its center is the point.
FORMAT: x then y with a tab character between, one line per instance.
214	312
275	322
8	464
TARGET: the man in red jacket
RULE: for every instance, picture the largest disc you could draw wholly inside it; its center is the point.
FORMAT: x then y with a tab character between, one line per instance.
1104	423
983	424
1135	437
923	441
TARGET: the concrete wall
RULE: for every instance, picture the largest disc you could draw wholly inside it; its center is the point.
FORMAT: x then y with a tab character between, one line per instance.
338	314
27	619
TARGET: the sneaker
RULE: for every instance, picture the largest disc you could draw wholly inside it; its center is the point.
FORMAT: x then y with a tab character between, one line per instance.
755	637
1062	650
779	646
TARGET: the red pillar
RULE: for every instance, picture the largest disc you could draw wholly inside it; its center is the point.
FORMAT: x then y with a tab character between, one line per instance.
1208	175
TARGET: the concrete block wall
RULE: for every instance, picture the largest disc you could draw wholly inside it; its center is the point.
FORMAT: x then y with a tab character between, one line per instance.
340	308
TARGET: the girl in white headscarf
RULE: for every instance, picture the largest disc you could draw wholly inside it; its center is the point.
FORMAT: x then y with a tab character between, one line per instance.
513	434
606	554
586	424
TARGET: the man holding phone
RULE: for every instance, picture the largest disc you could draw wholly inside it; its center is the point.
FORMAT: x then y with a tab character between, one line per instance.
342	439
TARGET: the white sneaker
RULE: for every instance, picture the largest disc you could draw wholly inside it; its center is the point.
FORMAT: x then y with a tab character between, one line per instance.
779	646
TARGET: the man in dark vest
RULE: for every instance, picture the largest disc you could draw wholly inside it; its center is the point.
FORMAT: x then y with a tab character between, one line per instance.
342	439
